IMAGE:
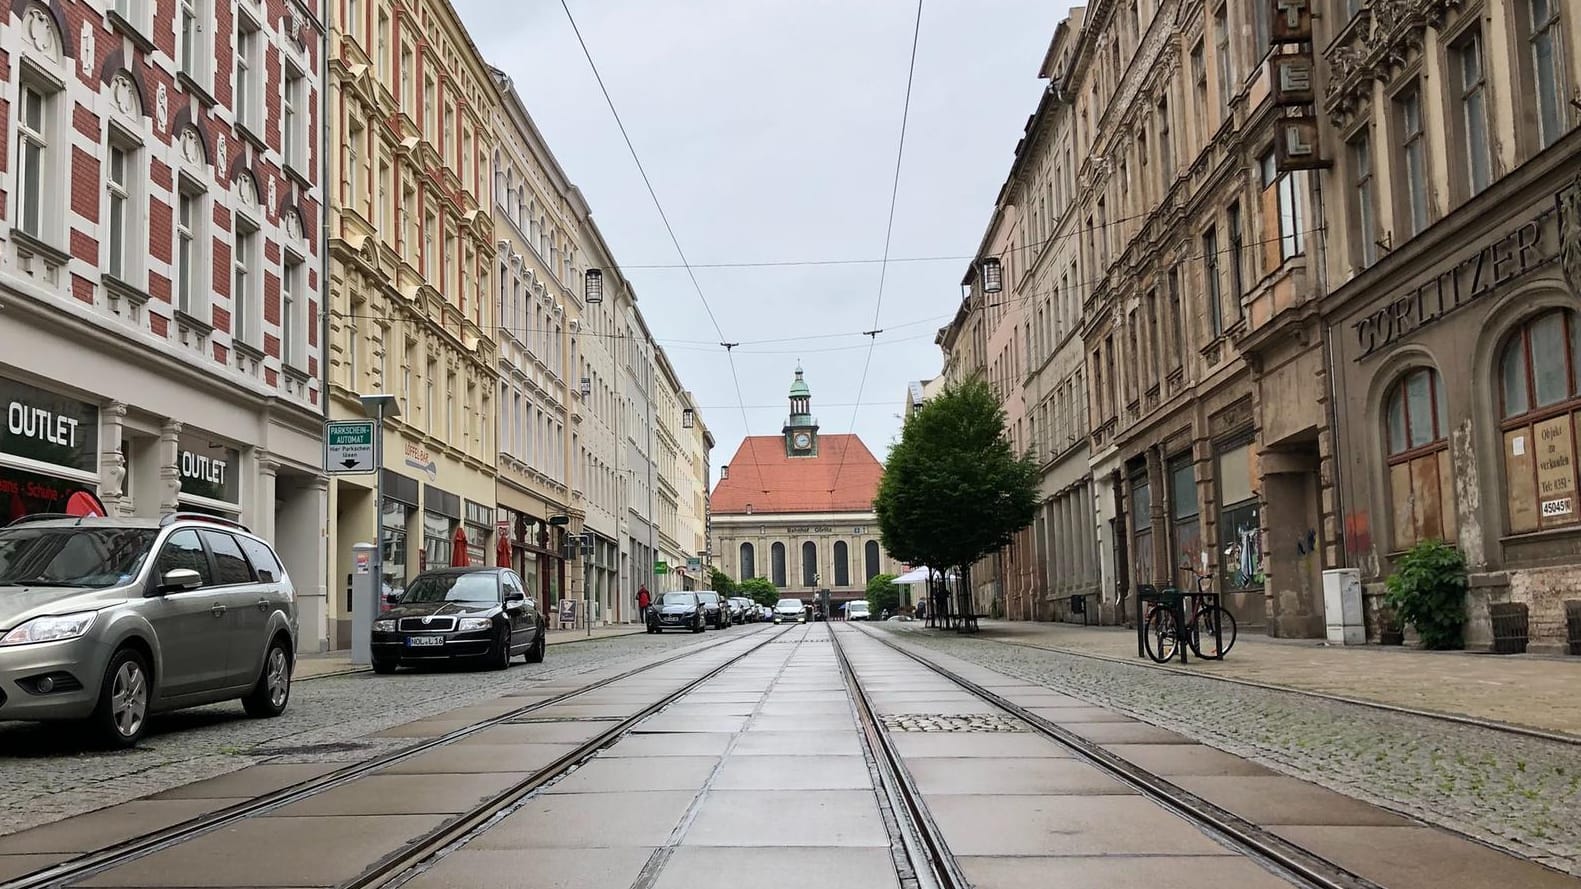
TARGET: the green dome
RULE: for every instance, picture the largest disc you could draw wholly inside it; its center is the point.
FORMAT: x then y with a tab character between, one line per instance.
799	388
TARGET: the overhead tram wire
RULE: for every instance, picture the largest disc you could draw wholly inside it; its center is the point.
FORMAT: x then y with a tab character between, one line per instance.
889	232
728	346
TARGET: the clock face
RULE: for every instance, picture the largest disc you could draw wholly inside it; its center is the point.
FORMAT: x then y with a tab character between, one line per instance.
803	440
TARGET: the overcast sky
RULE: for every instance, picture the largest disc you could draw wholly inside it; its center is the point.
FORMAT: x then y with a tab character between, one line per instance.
769	129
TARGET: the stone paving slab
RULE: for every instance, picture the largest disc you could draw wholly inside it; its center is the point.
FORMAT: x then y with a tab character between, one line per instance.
13	866
1175	760
788	818
1064	825
537	733
1011	776
1527	690
424	728
1423	858
665	723
667	745
829	743
291	851
812	722
249	782
794	773
622	775
1276	800
589	821
1127	733
109	826
401	795
471	868
913	745
1113	872
480	758
717	867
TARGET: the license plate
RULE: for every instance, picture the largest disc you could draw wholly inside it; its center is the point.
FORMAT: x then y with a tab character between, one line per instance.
424	641
670	620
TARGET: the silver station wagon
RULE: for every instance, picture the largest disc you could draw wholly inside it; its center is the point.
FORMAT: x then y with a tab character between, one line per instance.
110	620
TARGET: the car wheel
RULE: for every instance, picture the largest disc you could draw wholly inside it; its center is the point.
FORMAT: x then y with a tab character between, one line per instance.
500	657
121	715
273	691
385	666
539	648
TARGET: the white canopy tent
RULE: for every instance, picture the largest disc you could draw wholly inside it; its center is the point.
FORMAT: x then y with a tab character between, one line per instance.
919	574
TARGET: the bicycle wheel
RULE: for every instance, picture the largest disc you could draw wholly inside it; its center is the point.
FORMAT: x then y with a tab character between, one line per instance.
1162	637
1203	623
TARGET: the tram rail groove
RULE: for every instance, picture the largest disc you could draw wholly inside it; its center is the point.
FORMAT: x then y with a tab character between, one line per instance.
1456	718
396	868
932	863
90	864
1301	867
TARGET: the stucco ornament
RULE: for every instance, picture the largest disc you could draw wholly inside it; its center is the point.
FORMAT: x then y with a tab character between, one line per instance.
124	94
222	153
40	30
1569	201
272	193
85	54
162	106
191	146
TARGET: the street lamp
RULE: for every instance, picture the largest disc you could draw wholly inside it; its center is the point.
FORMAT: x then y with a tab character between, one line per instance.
380	406
688	418
593	286
993	275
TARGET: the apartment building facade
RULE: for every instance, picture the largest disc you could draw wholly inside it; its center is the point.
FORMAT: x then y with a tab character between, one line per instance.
412	294
161	255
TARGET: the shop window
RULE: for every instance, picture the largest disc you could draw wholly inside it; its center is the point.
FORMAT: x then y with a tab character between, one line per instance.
1421	486
748	565
394	556
871	554
1540	388
1239	526
1184	514
842	564
1142	528
809	564
439	535
777	565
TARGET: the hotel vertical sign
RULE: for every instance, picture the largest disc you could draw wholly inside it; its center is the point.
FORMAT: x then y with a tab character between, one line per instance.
1293	79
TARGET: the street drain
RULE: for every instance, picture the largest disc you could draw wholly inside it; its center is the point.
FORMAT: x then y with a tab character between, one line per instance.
944	722
308	749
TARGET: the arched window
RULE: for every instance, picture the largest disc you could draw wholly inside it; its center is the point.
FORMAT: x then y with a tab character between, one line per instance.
1540	398
842	565
777	564
748	569
1421	487
871	552
809	564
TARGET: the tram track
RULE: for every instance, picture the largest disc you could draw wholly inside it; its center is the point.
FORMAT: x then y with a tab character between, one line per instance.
1293	863
83	867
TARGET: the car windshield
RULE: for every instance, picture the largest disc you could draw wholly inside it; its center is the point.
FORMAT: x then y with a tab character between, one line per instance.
678	599
709	598
477	587
73	557
856	606
789	603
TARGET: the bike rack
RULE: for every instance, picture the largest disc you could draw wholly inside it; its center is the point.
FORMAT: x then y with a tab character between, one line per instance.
1174	599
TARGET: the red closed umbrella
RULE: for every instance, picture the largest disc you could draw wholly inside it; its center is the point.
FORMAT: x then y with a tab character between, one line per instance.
503	552
458	549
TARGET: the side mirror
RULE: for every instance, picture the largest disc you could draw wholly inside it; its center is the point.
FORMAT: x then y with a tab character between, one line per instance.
392	598
515	601
178	580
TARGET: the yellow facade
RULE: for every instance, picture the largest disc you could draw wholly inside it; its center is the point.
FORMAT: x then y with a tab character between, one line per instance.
411	310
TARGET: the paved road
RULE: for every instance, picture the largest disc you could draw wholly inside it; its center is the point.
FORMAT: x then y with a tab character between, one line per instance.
1516	793
49	774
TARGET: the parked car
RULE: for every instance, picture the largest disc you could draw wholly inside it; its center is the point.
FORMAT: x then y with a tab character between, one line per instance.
676	611
747	609
479	614
737	614
790	611
765	612
112	620
716	612
857	610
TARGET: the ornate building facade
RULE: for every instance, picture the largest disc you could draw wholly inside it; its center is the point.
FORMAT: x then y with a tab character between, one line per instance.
412	295
161	250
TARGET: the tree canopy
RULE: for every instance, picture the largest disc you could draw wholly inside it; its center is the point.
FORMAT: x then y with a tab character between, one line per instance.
954	490
883	594
760	590
721	583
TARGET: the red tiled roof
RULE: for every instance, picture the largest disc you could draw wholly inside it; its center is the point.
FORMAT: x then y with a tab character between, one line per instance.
763	477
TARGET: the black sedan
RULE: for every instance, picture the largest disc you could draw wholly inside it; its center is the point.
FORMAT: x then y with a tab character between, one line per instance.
716	612
475	614
676	611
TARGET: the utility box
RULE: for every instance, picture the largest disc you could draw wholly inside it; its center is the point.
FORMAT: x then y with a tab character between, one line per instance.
1342	606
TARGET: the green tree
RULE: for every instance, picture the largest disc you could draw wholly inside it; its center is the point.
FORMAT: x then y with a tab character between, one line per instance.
721	583
954	490
760	590
882	594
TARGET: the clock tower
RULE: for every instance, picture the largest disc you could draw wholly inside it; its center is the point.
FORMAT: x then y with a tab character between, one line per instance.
801	428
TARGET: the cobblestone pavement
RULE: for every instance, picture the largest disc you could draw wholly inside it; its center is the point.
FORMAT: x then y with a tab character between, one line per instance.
1518	793
50	774
1528	690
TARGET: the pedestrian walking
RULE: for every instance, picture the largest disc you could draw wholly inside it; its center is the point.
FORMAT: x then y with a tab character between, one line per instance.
644	599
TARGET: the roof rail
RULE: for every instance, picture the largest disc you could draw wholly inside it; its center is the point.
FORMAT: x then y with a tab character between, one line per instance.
201	517
42	517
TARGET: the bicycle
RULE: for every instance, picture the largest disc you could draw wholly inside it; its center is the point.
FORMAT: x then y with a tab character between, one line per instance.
1209	633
